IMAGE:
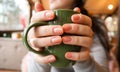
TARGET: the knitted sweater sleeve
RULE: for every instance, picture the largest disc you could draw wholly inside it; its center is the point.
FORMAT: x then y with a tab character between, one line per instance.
98	61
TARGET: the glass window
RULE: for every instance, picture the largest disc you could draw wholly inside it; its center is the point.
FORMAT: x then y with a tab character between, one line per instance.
13	14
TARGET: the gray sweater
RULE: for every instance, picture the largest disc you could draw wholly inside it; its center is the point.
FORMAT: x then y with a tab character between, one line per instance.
97	63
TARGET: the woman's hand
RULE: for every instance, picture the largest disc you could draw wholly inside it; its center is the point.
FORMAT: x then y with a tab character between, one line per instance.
36	35
81	26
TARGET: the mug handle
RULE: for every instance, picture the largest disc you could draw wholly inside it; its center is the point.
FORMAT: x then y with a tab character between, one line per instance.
25	41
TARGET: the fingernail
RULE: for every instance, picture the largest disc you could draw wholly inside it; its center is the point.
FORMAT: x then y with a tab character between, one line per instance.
51	58
49	14
38	6
67	27
55	40
57	30
67	39
69	55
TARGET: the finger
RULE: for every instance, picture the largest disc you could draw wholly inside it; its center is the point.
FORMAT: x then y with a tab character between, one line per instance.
77	9
81	19
48	30
38	6
43	16
78	40
78	29
77	56
46	41
44	59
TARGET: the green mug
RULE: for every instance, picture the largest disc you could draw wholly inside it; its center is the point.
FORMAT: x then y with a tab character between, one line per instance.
62	16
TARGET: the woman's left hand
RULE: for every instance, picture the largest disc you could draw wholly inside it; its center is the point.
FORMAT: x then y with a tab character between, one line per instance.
82	27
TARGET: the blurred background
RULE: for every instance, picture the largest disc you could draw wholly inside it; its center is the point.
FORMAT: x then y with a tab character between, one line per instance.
15	16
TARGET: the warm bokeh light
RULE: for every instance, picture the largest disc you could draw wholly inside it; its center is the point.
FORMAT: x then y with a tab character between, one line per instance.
101	6
110	6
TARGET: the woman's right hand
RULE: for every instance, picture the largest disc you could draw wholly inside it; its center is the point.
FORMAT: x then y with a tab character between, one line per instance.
42	36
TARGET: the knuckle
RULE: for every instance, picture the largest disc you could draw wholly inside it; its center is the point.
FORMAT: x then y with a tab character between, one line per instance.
90	41
90	20
45	61
35	18
34	45
32	19
41	59
33	42
77	27
78	57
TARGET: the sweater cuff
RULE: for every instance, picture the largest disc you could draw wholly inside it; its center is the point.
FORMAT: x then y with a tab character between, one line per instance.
85	66
89	66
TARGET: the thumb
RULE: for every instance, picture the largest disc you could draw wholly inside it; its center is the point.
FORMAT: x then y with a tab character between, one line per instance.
76	9
38	6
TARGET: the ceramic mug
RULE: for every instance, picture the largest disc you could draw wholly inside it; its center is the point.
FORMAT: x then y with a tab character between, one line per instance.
62	16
